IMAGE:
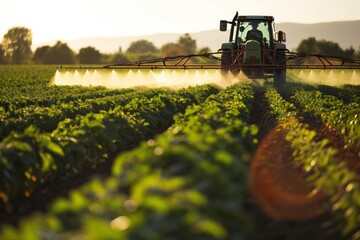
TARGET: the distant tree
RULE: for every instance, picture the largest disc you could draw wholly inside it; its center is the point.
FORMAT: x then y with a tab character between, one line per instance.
324	47
357	54
3	59
89	55
204	50
60	53
120	58
39	54
203	60
187	43
141	50
349	52
308	46
17	45
330	48
142	46
172	49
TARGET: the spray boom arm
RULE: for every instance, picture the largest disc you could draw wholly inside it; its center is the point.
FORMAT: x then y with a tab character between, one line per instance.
212	60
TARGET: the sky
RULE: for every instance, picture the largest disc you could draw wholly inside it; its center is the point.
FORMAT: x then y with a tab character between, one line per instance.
71	19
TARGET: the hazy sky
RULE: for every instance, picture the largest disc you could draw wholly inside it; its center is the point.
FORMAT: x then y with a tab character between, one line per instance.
69	19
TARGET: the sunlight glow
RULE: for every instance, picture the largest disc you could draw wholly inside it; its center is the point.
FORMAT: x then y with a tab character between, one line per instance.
70	19
124	78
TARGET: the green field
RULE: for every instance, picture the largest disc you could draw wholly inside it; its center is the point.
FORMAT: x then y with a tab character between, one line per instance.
249	161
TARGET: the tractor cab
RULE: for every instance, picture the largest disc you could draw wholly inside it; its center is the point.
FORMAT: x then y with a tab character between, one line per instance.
253	45
254	35
255	30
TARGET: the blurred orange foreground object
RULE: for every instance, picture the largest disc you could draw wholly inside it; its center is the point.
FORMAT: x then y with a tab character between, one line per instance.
278	185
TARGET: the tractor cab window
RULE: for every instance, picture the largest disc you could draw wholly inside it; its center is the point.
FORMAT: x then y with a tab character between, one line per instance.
255	30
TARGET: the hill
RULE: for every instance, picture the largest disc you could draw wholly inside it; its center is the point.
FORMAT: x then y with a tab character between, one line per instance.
346	33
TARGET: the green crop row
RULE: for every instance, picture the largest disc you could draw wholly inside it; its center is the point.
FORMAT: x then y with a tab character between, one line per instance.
17	77
325	171
24	86
187	183
47	118
343	118
31	158
347	93
56	95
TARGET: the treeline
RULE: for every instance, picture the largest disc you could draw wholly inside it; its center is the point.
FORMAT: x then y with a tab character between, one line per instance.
324	47
15	48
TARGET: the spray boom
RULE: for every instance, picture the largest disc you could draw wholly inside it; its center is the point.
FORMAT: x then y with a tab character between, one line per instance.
175	70
212	60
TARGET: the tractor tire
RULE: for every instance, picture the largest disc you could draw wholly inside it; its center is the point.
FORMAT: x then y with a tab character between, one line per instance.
227	64
226	61
280	74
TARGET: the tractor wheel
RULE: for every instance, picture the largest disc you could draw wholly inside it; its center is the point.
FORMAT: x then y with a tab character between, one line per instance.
226	61
279	77
280	74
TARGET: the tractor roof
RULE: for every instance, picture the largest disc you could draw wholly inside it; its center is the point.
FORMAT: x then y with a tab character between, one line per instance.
266	18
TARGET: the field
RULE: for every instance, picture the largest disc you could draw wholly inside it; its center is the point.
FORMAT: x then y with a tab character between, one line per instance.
247	161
